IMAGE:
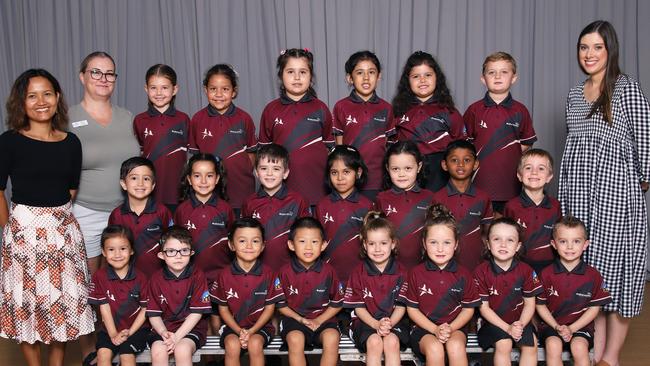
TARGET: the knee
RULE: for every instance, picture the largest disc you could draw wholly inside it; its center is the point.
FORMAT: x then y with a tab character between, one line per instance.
455	348
256	345
374	344
503	346
553	346
330	338
579	348
183	351
158	352
391	343
232	345
295	340
104	355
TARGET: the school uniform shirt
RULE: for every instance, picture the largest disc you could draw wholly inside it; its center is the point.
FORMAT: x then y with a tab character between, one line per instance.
568	294
310	291
537	222
126	297
163	139
246	293
208	223
374	290
304	128
231	137
498	131
147	230
439	294
276	213
174	298
366	125
342	219
505	290
472	209
431	126
407	211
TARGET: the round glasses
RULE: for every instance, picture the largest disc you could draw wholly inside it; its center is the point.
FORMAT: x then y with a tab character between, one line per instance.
97	74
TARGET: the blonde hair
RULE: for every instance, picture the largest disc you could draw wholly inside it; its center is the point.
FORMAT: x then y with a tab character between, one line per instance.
500	56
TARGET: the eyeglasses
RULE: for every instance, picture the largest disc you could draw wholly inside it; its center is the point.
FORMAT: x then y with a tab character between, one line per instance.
173	252
97	74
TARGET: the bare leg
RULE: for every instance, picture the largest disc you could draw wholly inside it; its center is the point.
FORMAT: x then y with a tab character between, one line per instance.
31	353
330	340
600	335
617	328
56	354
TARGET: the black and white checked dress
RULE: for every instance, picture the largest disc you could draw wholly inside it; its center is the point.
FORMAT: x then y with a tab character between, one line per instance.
600	176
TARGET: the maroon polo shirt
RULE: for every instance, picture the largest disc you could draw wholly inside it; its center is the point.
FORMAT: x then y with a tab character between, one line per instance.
471	209
309	292
431	126
230	136
208	223
174	298
374	290
126	296
505	290
304	128
498	131
439	293
342	219
277	213
246	293
163	139
537	222
407	211
366	125
569	294
147	230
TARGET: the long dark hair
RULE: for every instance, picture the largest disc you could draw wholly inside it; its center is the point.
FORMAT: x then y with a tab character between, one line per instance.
16	114
405	95
612	70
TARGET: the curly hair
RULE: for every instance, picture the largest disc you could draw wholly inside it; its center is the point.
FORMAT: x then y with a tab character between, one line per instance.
404	95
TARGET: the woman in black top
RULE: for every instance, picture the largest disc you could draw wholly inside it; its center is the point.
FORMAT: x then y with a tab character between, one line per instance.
43	279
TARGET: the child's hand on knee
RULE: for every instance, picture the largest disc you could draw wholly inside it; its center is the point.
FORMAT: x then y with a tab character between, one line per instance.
169	339
515	330
244	336
565	332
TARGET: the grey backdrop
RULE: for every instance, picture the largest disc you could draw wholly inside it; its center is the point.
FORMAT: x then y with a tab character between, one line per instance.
192	35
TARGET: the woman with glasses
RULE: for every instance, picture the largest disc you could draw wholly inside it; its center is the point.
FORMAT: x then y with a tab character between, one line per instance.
107	139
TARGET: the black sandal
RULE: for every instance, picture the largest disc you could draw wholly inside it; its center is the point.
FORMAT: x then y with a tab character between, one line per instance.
91	359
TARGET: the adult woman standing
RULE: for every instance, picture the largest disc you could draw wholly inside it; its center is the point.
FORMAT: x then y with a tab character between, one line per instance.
106	134
604	174
44	278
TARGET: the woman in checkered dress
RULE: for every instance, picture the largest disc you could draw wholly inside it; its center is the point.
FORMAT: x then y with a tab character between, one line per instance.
603	177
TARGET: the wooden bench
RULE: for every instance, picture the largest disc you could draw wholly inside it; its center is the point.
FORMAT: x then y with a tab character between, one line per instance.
347	351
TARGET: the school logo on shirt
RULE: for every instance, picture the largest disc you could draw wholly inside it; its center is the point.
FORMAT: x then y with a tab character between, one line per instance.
483	124
349	119
278	121
522	223
476	213
154	228
231	294
328	218
341	289
110	295
205	296
206	133
494	291
390	210
178	132
404	119
238	132
552	292
190	225
162	299
147	132
276	284
425	290
366	293
292	291
256	215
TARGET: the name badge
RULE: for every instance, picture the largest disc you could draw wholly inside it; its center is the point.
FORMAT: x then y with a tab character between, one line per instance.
79	123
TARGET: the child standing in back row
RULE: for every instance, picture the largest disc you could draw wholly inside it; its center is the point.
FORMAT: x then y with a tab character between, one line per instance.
227	132
300	122
364	120
501	130
162	132
425	114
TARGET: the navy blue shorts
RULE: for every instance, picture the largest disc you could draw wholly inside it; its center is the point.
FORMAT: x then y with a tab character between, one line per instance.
135	344
312	338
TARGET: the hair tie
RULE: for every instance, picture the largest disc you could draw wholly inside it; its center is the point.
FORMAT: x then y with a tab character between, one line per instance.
306	49
217	159
376	215
283	51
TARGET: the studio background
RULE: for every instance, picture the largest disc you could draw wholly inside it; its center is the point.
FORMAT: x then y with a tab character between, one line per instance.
192	35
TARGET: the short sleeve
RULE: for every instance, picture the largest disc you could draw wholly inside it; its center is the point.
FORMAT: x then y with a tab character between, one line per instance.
488	215
532	286
251	141
527	135
216	291
193	147
541	297
600	295
338	119
457	126
274	292
470	293
390	123
328	137
353	297
469	118
266	126
408	292
200	297
481	284
152	293
337	290
97	290
282	300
